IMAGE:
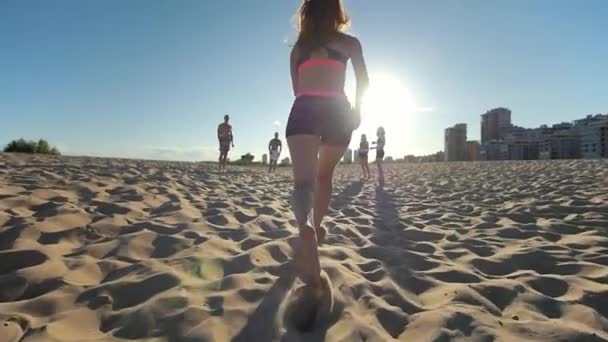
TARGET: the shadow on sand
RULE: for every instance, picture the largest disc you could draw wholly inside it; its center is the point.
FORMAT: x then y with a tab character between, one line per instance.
401	256
386	209
274	311
347	195
261	325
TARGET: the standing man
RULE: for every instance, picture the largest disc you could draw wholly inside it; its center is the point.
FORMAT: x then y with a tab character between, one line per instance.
225	138
274	148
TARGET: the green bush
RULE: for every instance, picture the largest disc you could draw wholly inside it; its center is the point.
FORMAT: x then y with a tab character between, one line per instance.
30	146
246	159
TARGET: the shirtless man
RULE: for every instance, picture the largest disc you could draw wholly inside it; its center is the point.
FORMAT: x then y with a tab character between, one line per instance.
225	138
274	149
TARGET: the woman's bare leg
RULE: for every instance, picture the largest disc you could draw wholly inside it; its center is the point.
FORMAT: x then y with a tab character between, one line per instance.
361	162
380	173
329	156
304	150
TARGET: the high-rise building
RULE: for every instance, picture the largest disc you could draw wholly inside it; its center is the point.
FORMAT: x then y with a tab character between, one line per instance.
495	124
455	143
495	150
523	143
604	141
348	156
562	143
593	135
264	159
586	138
473	150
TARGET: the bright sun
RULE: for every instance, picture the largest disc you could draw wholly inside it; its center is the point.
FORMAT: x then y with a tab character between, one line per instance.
386	103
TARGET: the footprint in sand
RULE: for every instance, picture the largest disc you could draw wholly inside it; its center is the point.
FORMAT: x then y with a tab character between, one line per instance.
302	312
10	331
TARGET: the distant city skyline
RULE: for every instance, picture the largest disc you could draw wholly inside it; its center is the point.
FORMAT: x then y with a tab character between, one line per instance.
501	139
153	79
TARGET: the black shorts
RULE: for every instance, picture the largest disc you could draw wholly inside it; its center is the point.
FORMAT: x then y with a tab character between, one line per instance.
224	145
330	118
362	155
379	154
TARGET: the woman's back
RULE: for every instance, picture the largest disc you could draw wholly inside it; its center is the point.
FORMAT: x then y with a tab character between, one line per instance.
381	142
321	70
363	146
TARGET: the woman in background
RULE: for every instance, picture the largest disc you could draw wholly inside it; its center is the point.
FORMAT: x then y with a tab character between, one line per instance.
363	159
321	120
380	142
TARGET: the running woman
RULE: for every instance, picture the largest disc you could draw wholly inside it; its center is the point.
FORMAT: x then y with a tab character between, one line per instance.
321	121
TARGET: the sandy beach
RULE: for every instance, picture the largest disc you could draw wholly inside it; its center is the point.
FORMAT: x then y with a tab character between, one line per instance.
95	249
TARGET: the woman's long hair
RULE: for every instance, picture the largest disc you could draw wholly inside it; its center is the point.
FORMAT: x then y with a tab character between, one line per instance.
318	21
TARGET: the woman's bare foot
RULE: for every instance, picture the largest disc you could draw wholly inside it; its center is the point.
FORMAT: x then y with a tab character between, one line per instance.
311	305
307	258
321	234
304	308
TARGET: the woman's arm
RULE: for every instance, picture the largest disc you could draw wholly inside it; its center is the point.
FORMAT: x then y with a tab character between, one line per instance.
360	71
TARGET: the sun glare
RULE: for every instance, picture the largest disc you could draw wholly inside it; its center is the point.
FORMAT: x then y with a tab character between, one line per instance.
387	103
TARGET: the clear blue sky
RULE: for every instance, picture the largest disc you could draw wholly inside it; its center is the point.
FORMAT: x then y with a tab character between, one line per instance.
153	78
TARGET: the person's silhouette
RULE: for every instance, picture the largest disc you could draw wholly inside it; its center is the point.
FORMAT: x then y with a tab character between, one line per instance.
275	147
226	140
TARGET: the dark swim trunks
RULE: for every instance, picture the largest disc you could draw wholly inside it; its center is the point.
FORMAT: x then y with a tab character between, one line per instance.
224	144
330	118
379	154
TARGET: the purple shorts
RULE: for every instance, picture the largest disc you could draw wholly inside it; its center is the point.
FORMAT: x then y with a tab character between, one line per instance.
330	118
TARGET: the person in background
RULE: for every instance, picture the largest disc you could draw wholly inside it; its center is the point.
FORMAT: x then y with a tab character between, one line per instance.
275	147
363	159
226	140
380	143
321	121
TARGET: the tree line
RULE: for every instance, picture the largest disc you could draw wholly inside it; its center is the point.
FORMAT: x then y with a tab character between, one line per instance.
31	146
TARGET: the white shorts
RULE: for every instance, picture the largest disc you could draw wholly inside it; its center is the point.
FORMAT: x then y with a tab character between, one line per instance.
274	155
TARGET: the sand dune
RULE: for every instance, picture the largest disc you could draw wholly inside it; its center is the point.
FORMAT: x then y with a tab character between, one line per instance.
98	249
